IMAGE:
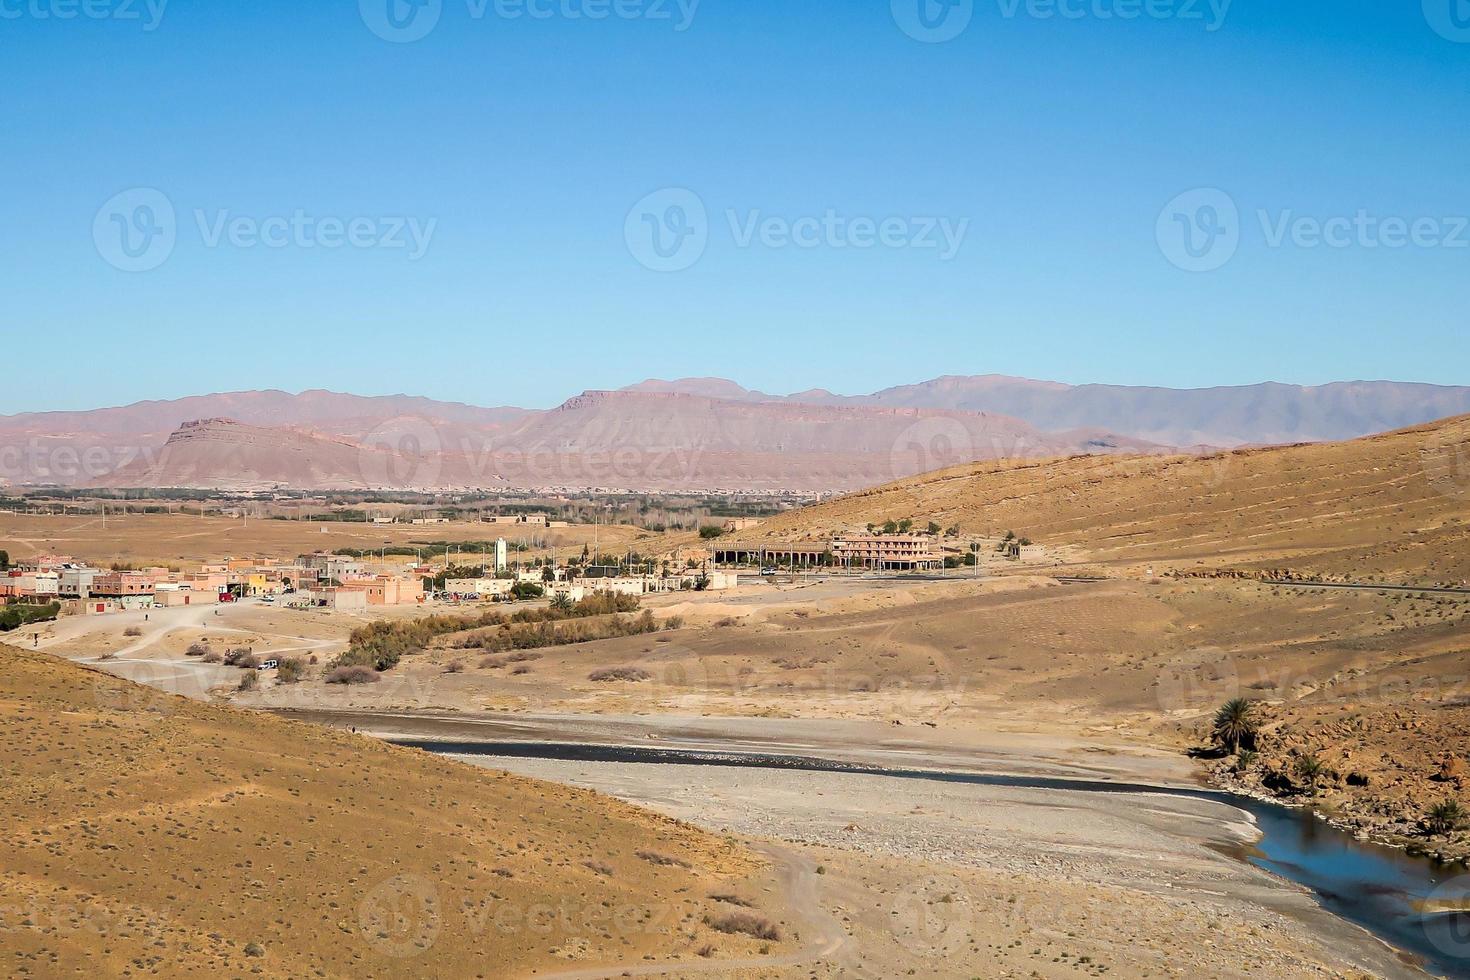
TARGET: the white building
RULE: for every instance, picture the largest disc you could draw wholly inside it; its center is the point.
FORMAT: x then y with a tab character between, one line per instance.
482	587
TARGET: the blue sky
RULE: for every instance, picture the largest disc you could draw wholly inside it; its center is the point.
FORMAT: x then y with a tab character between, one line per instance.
531	152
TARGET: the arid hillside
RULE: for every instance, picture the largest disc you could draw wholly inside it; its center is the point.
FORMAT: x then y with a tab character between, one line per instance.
147	834
1393	507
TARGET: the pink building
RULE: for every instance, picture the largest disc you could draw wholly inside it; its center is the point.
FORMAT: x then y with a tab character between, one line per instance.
122	584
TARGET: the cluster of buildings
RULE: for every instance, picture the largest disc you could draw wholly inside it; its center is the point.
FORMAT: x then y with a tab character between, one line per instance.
311	580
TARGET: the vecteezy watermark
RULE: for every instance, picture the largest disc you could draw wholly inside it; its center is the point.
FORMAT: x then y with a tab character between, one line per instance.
401	917
1202	230
406	21
1198	679
937	21
669	231
1199	231
1444	916
1449	18
1363	230
933	21
37	461
1210	13
148	13
404	453
136	230
1445	460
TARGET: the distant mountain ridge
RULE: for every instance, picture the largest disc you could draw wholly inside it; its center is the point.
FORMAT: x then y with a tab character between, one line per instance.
691	433
1267	413
607	440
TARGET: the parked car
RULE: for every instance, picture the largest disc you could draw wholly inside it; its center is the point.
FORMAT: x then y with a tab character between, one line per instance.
270	665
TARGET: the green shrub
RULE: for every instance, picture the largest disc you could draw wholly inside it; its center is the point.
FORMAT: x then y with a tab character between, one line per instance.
1446	817
14	617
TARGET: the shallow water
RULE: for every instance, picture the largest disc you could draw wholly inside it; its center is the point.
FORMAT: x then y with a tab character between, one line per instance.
1379	888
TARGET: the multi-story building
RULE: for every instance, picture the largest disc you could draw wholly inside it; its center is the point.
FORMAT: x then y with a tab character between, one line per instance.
885	551
75	581
120	584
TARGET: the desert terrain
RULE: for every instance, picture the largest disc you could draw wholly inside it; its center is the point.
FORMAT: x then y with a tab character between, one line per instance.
1392	507
184	540
159	835
1011	667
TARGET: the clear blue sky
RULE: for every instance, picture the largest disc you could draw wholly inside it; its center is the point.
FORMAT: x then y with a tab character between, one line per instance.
526	141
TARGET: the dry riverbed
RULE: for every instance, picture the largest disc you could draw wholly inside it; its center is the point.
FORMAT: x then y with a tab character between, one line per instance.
959	880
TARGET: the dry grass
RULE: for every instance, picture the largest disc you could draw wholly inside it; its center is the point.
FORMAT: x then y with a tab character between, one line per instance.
744	923
608	675
199	840
1394	505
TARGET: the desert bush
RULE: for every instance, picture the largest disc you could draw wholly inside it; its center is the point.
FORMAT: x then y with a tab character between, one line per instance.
729	899
1309	769
213	658
382	644
242	657
133	631
357	674
290	671
1446	817
248	682
599	868
608	675
454	667
522	669
745	923
662	860
196	650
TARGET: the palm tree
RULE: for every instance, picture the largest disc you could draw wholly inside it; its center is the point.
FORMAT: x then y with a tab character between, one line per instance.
1244	760
1309	768
1235	724
1446	817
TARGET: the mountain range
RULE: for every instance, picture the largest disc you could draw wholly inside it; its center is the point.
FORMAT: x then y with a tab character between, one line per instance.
688	434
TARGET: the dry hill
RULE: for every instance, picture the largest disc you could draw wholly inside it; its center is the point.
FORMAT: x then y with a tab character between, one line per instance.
150	834
1394	506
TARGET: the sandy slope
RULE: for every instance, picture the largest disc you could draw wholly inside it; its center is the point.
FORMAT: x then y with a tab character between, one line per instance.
147	833
1395	506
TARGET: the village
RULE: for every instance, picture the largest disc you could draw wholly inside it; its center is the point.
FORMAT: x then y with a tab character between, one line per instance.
349	580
